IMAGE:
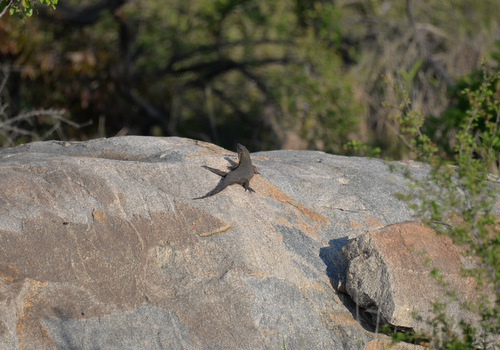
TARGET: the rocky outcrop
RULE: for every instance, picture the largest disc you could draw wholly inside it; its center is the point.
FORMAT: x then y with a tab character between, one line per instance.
102	246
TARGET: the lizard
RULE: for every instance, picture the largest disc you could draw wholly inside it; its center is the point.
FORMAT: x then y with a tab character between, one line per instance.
241	174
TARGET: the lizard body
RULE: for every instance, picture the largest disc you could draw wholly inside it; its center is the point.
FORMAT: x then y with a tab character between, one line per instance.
241	174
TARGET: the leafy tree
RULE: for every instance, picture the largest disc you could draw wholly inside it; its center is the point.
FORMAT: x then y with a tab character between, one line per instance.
223	71
444	129
285	74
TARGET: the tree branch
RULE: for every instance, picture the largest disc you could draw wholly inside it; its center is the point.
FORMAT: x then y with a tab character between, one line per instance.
5	8
216	47
207	71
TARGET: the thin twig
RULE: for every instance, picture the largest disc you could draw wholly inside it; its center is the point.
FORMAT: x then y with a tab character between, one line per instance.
19	131
27	115
6	73
6	8
11	131
56	126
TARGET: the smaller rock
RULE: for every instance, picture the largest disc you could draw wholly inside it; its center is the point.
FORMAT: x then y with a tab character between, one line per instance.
389	276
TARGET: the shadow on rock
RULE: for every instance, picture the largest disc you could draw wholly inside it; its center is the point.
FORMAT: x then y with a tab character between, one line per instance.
336	266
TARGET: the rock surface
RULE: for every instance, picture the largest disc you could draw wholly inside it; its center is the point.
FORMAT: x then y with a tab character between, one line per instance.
389	273
102	246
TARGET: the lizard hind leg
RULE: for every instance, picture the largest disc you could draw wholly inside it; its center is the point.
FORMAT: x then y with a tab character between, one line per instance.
216	171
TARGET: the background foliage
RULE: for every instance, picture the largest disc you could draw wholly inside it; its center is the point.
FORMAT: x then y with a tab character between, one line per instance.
281	74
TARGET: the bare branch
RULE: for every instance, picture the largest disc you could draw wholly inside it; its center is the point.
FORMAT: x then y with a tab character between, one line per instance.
57	114
6	73
5	10
49	132
10	129
19	131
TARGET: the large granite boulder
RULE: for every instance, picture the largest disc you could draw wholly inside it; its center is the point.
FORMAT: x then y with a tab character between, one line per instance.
103	247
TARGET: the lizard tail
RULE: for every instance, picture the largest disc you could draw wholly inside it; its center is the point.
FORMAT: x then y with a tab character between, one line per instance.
214	191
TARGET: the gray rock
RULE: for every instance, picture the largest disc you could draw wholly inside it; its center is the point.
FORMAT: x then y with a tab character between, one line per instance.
102	246
389	274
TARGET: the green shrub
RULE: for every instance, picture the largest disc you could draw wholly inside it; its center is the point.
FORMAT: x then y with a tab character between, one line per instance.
457	198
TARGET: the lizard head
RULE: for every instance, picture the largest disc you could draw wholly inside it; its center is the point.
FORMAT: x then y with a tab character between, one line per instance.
241	149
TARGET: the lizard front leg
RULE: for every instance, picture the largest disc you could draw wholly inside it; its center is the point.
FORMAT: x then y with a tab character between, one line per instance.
246	186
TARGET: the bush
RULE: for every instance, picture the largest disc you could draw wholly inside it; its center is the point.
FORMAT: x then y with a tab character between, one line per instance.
457	198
